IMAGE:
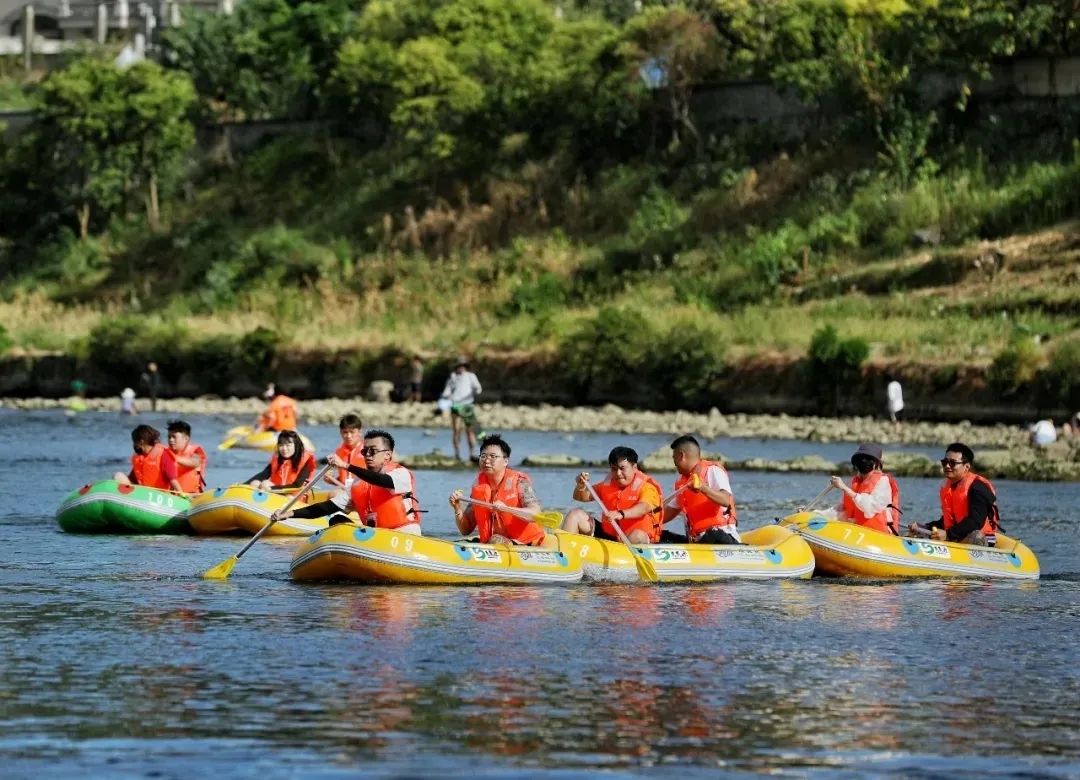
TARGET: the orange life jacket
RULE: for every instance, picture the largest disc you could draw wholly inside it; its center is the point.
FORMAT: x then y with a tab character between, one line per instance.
192	480
701	513
616	498
887	520
281	416
282	471
508	492
147	468
352	456
383	507
954	503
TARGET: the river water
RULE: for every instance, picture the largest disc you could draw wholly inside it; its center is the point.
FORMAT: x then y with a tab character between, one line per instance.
117	660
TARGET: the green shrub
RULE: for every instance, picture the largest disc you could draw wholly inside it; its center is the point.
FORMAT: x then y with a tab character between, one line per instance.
1015	367
682	365
833	364
537	296
1061	377
6	341
122	346
606	352
256	352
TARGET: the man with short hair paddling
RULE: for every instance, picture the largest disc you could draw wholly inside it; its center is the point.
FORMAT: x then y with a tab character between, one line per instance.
506	489
708	503
384	494
630	498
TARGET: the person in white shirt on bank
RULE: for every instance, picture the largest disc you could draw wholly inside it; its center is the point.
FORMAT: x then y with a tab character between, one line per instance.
461	390
895	395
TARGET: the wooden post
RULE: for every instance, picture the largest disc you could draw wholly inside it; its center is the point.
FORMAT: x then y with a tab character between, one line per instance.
101	28
28	36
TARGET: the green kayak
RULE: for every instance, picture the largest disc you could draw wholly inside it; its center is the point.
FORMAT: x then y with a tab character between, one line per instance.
110	508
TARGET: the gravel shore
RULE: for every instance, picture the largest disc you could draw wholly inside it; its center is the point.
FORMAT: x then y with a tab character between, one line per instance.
498	417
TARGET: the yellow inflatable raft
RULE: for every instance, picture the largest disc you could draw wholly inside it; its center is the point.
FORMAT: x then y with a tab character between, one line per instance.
261	440
771	552
360	554
243	509
847	550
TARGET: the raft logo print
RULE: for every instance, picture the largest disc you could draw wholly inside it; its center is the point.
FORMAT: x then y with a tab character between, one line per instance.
990	557
934	550
739	556
672	556
484	555
537	559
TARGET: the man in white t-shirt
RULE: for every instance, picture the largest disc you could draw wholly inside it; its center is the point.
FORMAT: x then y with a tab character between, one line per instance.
895	395
708	505
1043	433
461	390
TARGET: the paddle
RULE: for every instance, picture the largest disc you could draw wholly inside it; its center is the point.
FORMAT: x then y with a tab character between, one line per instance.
645	568
820	496
546	519
231	441
223	569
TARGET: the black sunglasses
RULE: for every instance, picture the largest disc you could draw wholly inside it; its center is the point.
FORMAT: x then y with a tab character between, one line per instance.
946	462
369	451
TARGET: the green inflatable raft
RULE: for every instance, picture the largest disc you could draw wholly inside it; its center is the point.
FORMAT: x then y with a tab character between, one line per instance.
110	508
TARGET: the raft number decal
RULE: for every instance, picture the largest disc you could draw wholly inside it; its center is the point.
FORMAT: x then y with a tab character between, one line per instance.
671	556
862	536
395	540
160	499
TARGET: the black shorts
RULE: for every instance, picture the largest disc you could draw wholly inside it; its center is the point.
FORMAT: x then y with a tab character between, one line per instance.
414	387
712	536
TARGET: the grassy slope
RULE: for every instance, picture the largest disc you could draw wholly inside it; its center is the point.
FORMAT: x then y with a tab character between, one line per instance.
933	307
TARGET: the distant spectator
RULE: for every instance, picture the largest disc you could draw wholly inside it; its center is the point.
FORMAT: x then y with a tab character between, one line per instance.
1072	427
416	379
127	402
1043	433
895	395
152	379
461	390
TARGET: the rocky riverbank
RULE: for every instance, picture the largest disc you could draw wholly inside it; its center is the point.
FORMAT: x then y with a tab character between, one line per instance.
1057	463
499	417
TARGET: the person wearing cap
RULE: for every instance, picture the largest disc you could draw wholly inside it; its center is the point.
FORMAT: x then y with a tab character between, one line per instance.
127	402
873	498
461	390
969	512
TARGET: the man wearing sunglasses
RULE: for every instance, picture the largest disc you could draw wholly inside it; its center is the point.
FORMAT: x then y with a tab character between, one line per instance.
383	495
969	513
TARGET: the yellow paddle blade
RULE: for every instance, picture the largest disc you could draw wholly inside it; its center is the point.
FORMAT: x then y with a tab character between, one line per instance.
549	519
222	570
229	443
645	568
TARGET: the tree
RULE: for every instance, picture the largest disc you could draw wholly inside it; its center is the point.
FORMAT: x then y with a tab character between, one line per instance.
100	131
157	126
79	134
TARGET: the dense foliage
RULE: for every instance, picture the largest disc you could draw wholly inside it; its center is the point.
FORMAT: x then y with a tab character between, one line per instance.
451	129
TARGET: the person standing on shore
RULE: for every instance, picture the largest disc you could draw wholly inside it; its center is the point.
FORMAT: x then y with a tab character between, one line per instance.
416	380
461	390
895	395
127	402
152	380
